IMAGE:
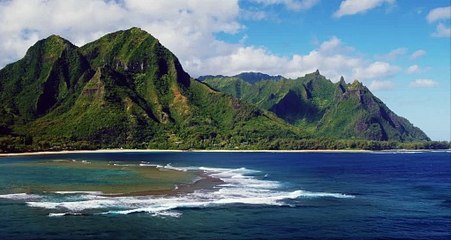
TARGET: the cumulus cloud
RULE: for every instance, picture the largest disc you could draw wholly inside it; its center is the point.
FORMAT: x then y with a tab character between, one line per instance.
423	83
440	15
393	54
352	7
442	31
375	70
417	54
295	5
187	28
332	57
437	14
413	69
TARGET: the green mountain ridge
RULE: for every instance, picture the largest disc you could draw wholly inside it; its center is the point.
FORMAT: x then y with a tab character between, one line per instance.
123	90
127	90
323	108
250	77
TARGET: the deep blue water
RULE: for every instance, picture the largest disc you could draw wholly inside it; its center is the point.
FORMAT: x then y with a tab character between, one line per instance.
284	196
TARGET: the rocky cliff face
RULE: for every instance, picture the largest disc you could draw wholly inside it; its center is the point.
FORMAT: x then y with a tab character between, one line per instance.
125	89
324	109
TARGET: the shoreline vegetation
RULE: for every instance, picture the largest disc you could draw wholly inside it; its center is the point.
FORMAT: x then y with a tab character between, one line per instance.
126	90
38	153
26	144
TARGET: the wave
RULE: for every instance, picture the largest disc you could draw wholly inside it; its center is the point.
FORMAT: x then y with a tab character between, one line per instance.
422	151
21	196
79	192
239	186
65	214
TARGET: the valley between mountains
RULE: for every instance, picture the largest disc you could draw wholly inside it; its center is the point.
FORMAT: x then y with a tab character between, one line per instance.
126	90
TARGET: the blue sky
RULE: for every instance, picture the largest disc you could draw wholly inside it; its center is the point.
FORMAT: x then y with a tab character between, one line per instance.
400	49
400	28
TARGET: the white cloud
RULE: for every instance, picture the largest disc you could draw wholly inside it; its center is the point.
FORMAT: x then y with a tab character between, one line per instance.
328	58
352	7
413	69
295	5
417	54
332	58
377	85
442	31
394	54
423	83
375	70
187	28
438	14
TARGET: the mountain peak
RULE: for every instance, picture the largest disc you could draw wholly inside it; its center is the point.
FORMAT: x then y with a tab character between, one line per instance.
356	85
51	46
127	89
54	37
341	85
55	40
315	75
337	110
136	31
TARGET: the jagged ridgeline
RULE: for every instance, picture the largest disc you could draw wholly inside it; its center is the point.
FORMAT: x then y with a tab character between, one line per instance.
322	108
123	90
127	90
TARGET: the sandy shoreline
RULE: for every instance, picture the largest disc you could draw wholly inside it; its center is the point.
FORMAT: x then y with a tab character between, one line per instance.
207	151
160	150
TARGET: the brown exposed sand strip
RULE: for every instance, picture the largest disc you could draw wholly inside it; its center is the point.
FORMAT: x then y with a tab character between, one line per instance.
205	182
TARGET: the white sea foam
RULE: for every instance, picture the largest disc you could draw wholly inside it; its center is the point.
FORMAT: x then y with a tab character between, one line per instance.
170	167
56	214
21	196
64	214
240	186
124	165
398	152
144	164
79	192
14	196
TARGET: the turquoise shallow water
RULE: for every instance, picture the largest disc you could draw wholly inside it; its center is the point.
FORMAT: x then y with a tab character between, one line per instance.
264	195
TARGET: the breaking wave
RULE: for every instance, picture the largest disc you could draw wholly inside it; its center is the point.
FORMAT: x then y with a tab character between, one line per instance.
239	186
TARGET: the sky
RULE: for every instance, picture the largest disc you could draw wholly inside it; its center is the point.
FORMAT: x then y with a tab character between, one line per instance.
400	49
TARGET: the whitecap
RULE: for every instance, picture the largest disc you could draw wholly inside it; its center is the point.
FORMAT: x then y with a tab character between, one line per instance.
20	196
79	192
64	214
170	167
240	186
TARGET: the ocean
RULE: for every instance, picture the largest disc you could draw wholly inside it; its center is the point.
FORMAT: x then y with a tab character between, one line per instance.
367	195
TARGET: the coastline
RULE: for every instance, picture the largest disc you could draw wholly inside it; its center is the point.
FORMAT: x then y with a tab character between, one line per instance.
201	151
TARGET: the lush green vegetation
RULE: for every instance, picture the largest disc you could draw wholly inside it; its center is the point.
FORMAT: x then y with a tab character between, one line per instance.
212	141
322	108
126	90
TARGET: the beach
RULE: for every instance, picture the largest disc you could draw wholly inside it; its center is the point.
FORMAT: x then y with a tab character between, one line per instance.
169	151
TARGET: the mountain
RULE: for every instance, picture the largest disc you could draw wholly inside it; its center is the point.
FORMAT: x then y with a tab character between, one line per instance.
123	90
250	77
323	108
127	90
